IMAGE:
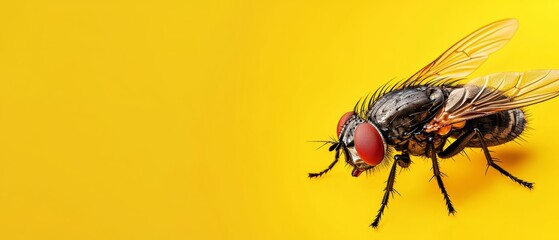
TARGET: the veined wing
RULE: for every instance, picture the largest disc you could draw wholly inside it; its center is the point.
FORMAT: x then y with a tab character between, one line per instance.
467	55
497	92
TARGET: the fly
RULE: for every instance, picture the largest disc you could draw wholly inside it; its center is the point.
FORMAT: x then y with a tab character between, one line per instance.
416	116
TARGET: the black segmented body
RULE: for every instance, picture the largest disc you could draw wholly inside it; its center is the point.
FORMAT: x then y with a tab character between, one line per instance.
401	114
497	128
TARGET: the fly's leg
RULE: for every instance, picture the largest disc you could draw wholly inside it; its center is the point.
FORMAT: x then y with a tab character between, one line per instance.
459	145
403	160
387	191
313	175
438	175
492	163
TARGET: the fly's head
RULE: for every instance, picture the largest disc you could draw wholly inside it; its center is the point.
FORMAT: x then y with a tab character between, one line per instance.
361	142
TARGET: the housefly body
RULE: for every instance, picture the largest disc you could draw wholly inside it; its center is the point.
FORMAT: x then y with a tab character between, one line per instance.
418	115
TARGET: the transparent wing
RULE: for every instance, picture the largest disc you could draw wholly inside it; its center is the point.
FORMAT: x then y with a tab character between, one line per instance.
498	92
467	55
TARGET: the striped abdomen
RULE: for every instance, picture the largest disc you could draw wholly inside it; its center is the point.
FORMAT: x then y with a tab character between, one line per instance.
498	128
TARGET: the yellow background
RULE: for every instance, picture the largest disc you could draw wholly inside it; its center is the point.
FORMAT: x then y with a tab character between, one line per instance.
191	120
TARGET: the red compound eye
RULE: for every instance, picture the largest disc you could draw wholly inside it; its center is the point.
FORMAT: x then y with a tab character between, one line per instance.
343	120
368	143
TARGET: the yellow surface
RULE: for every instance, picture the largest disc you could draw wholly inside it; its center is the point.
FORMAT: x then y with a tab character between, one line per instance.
190	120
